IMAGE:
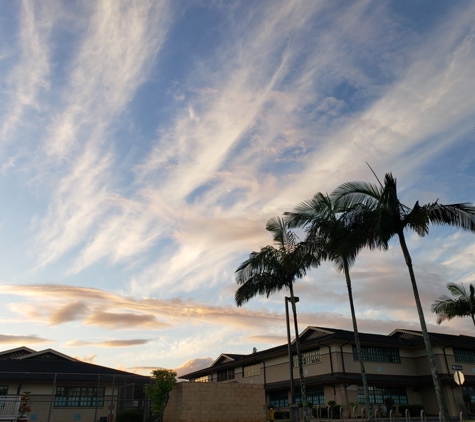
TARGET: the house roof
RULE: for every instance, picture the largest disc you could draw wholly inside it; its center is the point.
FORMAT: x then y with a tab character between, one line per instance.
47	354
15	353
49	363
227	357
315	336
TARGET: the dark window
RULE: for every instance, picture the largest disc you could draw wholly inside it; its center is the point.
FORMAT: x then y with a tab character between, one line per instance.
279	399
314	395
377	395
470	391
227	374
378	354
464	355
4	392
79	397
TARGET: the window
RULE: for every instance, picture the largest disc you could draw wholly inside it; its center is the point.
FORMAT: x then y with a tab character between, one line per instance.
314	395
227	374
79	397
205	378
470	391
377	395
308	358
279	399
464	355
251	370
378	354
3	392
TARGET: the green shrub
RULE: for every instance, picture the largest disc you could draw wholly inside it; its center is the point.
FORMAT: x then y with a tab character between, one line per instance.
389	402
414	409
281	414
130	415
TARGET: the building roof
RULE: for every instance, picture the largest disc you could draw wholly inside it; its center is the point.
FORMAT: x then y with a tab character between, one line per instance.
315	336
24	364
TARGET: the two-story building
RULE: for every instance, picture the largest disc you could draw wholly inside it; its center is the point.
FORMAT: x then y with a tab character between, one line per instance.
396	366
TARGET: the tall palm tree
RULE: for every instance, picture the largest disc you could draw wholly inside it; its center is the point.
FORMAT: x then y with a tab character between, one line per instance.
273	269
461	304
335	238
392	218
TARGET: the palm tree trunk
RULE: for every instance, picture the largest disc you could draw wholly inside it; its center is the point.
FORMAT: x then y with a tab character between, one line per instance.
357	341
433	368
306	417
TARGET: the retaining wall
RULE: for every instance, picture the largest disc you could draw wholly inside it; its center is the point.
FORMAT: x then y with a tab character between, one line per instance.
216	402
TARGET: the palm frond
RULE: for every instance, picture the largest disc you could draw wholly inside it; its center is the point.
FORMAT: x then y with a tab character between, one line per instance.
266	260
417	220
319	208
257	285
457	215
352	193
461	304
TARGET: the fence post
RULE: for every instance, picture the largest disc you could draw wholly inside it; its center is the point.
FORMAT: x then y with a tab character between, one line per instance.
52	398
423	416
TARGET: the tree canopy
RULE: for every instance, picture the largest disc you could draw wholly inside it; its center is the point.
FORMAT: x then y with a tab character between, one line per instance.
159	391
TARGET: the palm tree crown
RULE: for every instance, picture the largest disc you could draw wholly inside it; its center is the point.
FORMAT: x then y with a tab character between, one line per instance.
273	268
391	216
461	304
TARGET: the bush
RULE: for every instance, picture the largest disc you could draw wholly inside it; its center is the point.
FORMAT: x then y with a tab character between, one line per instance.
414	409
281	414
130	415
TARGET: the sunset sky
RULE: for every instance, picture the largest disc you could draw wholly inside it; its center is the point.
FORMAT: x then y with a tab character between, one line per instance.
144	145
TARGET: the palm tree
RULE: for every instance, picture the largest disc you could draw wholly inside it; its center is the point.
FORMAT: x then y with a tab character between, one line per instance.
275	268
328	228
392	218
462	303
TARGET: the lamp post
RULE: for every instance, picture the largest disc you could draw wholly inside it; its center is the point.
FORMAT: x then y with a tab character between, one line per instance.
291	361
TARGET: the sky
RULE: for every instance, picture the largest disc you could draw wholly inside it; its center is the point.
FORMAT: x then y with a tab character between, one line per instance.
144	145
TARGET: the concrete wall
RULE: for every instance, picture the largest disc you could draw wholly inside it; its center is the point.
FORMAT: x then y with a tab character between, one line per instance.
213	402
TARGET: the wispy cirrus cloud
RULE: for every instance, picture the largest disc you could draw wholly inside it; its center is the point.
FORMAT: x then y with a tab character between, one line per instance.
114	59
22	340
107	343
30	76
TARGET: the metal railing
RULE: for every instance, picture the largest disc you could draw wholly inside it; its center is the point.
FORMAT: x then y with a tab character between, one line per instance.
9	407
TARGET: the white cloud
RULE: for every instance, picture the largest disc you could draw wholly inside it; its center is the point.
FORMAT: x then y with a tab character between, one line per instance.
30	75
